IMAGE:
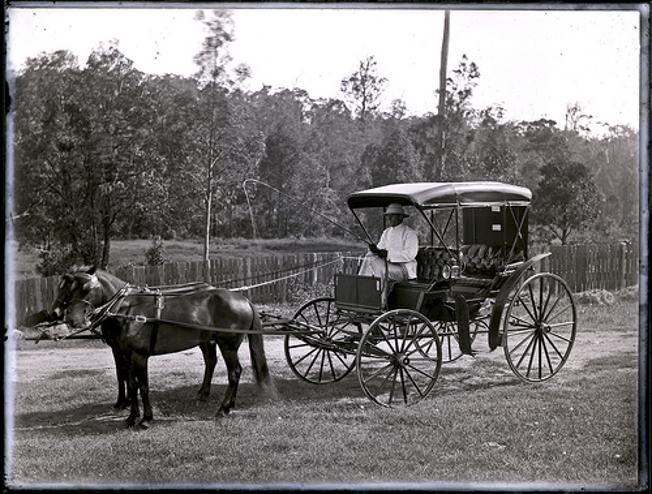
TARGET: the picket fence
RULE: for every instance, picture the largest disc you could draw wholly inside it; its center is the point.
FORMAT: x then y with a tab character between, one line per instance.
584	267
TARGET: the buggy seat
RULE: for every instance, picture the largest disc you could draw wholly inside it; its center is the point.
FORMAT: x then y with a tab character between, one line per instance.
482	264
430	262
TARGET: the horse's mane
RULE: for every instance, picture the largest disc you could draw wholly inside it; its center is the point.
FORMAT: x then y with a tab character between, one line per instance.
100	273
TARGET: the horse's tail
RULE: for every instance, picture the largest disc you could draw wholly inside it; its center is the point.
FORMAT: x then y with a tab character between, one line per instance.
258	358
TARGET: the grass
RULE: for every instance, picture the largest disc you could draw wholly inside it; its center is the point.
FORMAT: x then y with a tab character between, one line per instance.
480	425
125	252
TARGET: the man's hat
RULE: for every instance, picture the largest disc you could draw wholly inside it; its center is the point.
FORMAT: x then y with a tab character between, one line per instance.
395	208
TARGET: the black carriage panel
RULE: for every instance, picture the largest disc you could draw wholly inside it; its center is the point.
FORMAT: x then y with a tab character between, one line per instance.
358	293
499	227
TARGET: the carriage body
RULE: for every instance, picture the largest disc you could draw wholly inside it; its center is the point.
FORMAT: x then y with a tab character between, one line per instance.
474	276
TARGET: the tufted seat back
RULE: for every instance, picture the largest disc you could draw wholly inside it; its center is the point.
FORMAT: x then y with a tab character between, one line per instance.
430	261
484	260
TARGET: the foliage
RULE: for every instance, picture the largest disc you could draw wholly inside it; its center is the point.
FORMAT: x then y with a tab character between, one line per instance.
104	151
364	87
155	254
566	198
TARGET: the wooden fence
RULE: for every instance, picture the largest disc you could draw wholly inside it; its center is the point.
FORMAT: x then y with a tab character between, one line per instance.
291	270
584	267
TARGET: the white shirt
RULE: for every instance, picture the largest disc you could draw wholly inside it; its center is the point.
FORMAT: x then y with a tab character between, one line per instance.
402	245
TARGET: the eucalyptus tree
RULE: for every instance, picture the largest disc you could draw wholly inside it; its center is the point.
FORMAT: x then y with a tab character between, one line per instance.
224	148
364	87
48	157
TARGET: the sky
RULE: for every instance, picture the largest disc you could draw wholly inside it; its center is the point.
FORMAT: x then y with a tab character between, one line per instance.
533	63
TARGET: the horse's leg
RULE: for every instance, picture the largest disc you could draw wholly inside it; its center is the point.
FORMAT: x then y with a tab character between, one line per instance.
143	386
230	353
122	370
132	390
209	352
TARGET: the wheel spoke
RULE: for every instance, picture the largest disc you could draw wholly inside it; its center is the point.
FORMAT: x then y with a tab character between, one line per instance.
560	312
527	349
545	348
318	316
554	346
416	386
567	340
534	319
306	355
524	323
313	362
529	366
391	392
544	307
527	338
405	394
532	299
547	314
371	376
416	369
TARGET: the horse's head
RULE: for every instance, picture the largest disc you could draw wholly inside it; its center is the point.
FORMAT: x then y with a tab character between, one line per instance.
79	292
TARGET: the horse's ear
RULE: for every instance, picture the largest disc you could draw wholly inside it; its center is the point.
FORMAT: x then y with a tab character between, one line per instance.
93	282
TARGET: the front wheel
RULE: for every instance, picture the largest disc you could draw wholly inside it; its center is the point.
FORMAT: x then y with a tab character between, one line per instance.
539	328
399	358
328	355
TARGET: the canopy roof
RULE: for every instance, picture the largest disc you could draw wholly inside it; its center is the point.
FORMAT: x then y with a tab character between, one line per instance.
434	194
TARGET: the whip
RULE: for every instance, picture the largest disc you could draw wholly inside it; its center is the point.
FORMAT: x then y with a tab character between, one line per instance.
303	204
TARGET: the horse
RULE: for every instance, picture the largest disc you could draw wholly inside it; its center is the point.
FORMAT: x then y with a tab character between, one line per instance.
79	279
147	324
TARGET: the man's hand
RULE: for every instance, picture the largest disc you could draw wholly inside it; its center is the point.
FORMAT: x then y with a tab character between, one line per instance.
381	252
373	248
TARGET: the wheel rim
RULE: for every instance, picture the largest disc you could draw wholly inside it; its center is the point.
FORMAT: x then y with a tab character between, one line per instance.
539	328
325	357
399	358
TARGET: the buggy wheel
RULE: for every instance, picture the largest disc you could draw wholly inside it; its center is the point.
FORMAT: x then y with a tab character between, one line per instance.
448	335
329	355
539	328
399	358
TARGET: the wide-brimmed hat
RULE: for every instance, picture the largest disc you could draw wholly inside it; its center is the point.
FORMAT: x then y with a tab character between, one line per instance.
395	208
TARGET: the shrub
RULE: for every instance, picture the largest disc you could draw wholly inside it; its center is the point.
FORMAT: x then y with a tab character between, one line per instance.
155	255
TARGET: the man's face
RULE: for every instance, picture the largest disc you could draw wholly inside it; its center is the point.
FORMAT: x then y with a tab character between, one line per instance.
394	219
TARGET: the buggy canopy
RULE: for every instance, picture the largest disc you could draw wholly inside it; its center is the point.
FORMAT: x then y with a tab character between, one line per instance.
441	194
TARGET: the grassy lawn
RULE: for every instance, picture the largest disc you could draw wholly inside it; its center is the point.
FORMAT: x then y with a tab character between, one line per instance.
480	425
125	252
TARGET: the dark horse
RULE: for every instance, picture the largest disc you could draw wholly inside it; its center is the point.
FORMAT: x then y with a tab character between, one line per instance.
78	281
144	324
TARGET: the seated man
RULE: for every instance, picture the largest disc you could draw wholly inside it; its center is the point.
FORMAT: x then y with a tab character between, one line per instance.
395	255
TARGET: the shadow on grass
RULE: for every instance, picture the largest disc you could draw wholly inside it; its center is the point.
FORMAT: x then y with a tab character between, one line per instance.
180	403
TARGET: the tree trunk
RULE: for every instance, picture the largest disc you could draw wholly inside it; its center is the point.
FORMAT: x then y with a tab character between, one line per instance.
106	246
207	223
437	172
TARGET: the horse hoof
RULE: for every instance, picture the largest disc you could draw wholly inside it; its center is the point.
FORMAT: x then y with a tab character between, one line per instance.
222	412
144	424
130	422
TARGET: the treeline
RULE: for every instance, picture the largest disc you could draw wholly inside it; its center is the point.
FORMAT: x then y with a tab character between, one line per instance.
103	151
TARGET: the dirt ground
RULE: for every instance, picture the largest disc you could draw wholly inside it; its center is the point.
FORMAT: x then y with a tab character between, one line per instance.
42	360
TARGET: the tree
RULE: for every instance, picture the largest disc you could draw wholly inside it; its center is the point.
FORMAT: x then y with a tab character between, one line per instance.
364	88
566	199
220	144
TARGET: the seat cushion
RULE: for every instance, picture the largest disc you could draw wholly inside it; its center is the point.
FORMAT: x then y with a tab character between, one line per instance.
485	260
430	261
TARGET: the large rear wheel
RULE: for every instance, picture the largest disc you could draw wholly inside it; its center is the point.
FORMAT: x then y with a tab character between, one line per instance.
399	358
328	355
539	327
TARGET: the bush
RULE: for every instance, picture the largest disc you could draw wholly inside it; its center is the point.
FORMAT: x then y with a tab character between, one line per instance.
299	292
59	257
155	255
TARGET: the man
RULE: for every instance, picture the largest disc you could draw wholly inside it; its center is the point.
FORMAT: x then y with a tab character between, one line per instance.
395	255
